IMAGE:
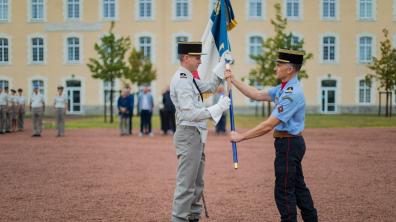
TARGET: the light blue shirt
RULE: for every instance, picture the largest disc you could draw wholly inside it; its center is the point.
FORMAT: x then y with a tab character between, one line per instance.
289	106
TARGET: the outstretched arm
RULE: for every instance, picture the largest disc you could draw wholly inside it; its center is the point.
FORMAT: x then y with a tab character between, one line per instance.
248	91
259	130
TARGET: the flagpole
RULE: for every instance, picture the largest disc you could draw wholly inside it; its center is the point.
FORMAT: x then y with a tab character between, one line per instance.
232	122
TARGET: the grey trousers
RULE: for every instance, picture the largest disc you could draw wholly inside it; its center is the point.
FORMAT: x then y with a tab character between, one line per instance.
124	125
190	172
37	119
8	119
60	121
3	116
21	118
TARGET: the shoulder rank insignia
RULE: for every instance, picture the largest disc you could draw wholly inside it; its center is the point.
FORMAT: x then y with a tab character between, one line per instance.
288	98
183	75
289	90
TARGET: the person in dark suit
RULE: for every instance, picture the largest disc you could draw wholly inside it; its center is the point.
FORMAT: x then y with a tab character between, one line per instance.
131	105
167	113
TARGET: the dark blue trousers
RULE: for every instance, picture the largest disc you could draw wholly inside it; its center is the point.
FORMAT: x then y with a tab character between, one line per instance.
145	121
290	188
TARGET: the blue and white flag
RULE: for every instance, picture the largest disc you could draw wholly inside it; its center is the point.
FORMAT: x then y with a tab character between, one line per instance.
215	41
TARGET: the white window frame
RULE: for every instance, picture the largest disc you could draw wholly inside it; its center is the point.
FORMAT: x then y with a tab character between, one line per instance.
298	35
253	103
247	43
373	13
337	11
337	48
394	97
116	11
338	94
45	87
66	48
394	41
30	47
30	13
174	44
83	94
358	79
300	10
373	47
2	35
6	78
153	44
66	14
102	88
394	10
263	11
8	19
181	18
145	18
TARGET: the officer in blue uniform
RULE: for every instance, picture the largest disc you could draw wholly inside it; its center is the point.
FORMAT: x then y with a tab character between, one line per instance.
287	119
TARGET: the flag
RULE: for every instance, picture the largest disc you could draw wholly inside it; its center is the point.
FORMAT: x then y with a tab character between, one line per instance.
215	42
216	45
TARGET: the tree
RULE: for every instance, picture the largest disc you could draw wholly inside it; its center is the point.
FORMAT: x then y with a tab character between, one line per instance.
111	63
263	73
384	69
140	70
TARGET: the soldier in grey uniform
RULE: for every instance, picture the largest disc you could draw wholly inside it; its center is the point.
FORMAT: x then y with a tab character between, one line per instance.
14	110
8	110
3	110
191	130
21	110
37	108
60	106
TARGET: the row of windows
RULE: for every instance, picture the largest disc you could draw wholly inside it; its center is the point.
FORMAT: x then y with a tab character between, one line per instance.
364	90
256	9
73	49
329	48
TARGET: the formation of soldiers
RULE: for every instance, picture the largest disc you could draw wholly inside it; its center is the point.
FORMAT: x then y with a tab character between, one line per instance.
13	106
12	110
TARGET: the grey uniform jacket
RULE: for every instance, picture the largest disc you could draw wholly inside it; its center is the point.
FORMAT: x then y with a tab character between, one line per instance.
190	110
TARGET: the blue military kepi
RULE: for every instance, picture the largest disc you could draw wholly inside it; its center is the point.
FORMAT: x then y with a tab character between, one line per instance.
189	48
290	56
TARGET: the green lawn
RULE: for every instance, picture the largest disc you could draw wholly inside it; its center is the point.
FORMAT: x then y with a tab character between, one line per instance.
243	121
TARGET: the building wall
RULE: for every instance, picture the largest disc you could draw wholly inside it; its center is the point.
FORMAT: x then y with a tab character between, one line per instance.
163	27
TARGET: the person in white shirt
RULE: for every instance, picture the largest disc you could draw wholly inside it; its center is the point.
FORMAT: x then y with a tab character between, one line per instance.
60	106
3	110
37	109
145	107
21	110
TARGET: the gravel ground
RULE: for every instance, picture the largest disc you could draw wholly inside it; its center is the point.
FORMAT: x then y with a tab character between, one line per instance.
96	175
